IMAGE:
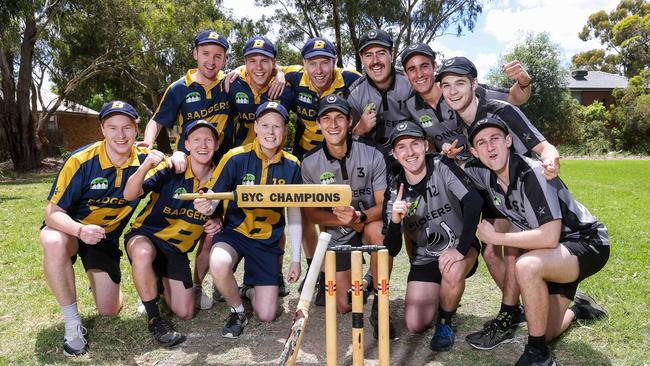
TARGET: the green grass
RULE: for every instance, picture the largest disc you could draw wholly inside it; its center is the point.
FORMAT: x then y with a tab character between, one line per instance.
31	327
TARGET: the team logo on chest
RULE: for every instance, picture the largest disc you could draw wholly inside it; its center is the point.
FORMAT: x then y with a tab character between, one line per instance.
327	178
426	121
413	208
305	98
193	97
496	201
248	180
178	192
99	183
241	98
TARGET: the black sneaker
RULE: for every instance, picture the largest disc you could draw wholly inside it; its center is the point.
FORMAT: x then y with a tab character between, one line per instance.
243	291
76	344
443	338
491	336
320	291
164	333
282	289
535	357
234	325
518	318
374	321
586	308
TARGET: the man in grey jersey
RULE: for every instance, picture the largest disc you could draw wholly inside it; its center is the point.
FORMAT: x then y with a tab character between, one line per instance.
344	159
563	242
436	206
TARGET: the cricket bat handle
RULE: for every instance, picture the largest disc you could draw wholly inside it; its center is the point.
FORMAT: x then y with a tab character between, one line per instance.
211	196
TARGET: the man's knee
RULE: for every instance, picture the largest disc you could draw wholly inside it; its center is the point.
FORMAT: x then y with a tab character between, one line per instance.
221	263
491	255
55	245
267	314
527	267
185	312
142	254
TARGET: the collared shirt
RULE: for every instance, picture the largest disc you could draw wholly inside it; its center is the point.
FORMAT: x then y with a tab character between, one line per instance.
185	100
363	168
168	218
306	98
532	201
90	188
243	104
247	165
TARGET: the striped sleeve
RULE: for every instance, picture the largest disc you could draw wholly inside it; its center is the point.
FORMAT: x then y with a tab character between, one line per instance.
167	112
67	187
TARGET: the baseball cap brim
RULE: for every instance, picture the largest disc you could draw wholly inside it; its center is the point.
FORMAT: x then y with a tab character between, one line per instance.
452	70
341	108
209	126
317	53
376	42
259	52
485	124
128	114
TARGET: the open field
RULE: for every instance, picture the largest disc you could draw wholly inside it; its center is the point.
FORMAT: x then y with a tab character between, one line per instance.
31	327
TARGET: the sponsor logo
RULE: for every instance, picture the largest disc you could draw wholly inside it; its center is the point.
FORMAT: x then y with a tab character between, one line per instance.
413	208
401	126
449	62
193	97
496	201
241	98
305	98
99	183
178	192
248	180
327	178
426	121
331	99
372	34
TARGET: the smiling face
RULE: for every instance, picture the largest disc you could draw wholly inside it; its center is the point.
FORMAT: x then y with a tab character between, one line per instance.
334	126
410	153
458	91
377	61
320	70
420	72
259	70
201	144
271	131
210	59
491	147
119	132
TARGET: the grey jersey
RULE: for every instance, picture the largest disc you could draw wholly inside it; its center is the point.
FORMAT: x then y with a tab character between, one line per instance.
390	104
363	168
435	220
532	201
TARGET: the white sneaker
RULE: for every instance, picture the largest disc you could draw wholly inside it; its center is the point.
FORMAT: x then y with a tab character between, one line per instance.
201	299
76	343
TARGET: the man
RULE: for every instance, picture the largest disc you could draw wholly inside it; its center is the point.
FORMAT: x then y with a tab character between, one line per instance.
253	233
344	159
563	242
457	78
168	228
434	204
199	95
85	216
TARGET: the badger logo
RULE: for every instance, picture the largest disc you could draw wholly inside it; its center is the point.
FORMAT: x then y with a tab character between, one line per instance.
248	180
193	97
327	178
99	183
241	98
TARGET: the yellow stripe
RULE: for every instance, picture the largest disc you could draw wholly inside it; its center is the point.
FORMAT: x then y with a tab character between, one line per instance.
69	169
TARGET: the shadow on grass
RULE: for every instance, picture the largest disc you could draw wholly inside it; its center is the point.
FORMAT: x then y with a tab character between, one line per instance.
27	178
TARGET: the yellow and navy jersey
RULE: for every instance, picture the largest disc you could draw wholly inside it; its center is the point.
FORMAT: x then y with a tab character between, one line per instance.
243	104
247	165
91	189
185	101
168	218
305	102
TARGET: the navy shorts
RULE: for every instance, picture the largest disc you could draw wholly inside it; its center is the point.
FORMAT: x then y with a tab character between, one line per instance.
591	259
430	272
169	264
261	262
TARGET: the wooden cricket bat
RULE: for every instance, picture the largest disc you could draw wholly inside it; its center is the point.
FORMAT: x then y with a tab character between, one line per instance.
292	344
282	195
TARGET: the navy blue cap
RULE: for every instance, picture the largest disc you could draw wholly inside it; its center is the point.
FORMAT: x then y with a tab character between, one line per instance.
211	37
195	125
407	128
376	37
117	106
417	49
457	65
333	101
318	47
260	45
272	107
485	123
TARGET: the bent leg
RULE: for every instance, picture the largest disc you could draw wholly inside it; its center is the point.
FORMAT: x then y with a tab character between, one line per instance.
58	248
420	305
179	298
452	285
107	294
265	302
223	258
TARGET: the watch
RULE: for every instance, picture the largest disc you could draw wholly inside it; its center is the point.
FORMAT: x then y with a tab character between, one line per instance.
363	217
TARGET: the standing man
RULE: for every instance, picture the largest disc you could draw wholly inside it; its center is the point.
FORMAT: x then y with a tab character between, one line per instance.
563	242
344	159
253	233
85	216
168	228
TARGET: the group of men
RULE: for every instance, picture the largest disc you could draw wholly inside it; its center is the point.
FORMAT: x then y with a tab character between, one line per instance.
449	167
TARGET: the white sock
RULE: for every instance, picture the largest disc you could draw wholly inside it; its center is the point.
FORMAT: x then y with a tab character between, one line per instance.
71	319
238	309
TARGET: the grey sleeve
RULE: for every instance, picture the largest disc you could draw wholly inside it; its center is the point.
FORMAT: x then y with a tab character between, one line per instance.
305	171
545	206
356	109
492	92
455	179
521	126
478	174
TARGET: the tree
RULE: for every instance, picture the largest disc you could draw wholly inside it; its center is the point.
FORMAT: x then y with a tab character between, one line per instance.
632	115
593	134
596	60
550	107
625	31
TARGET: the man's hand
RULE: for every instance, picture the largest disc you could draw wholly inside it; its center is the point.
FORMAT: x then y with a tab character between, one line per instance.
205	206
277	86
294	272
152	160
400	207
347	215
451	150
178	162
551	168
212	226
230	78
142	144
515	71
486	232
368	120
92	234
448	258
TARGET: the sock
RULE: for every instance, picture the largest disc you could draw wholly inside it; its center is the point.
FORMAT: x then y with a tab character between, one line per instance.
445	316
506	313
71	318
151	307
577	312
538	342
238	309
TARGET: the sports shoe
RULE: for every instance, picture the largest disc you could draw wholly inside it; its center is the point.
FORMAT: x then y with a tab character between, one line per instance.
320	291
586	308
491	336
374	321
76	344
243	291
443	338
216	295
518	318
282	289
164	333
535	357
201	299
234	325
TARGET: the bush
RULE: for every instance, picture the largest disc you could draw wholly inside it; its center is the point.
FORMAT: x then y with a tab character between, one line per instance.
593	134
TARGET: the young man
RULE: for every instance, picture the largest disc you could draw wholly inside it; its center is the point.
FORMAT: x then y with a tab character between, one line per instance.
85	216
434	204
253	233
563	242
344	159
168	228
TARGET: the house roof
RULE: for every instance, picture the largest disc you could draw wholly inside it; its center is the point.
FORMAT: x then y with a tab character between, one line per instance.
49	98
582	79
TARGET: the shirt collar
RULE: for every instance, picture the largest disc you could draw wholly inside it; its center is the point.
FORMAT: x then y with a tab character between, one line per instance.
189	80
337	82
392	82
348	144
260	155
105	162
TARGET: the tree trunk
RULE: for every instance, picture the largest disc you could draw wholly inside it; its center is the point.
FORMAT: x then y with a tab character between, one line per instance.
337	29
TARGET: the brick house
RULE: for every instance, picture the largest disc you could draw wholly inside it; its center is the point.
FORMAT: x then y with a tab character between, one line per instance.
590	86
